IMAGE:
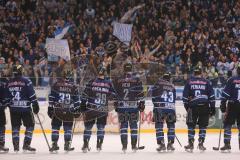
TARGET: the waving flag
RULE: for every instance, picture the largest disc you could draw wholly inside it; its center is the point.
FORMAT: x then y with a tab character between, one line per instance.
59	48
60	32
123	32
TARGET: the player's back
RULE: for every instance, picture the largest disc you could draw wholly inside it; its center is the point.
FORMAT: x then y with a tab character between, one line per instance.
20	93
98	92
129	91
232	89
163	95
2	96
198	90
129	88
64	92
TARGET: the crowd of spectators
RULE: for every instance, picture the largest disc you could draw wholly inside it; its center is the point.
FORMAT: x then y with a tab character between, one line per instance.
175	35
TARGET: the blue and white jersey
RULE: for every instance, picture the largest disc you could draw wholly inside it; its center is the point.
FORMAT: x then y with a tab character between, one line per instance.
198	91
129	91
2	94
163	96
65	94
231	91
20	94
97	93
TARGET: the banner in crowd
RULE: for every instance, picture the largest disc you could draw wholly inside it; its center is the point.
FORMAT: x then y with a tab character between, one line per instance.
60	32
58	47
123	32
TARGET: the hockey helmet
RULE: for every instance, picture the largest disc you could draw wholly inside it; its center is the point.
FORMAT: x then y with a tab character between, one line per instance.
68	75
167	76
101	69
197	70
17	70
127	67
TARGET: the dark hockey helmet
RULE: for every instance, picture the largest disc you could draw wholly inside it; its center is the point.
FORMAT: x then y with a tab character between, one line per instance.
197	70
68	75
167	76
127	67
17	70
101	69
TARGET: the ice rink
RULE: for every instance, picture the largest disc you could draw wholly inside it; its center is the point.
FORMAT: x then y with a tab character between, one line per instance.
112	149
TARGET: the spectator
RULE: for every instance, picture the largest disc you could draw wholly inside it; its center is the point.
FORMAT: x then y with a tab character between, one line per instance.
175	35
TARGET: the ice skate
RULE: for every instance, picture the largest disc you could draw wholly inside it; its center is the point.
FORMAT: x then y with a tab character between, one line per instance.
162	147
3	149
134	145
239	143
189	147
67	146
99	144
85	147
16	147
226	148
54	147
170	147
201	147
124	148
28	148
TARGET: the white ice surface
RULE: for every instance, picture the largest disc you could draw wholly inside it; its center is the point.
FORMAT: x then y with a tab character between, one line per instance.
112	150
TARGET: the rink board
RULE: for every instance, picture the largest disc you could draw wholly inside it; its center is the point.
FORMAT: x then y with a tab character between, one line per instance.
113	125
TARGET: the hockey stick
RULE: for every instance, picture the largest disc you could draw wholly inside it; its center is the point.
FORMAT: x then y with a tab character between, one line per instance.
139	129
219	140
178	140
43	131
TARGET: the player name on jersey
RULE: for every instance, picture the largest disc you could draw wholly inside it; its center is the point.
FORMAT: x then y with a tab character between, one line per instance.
202	87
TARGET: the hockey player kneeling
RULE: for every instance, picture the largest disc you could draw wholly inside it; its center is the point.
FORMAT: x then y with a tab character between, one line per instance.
199	102
231	94
163	98
95	108
20	97
130	101
64	104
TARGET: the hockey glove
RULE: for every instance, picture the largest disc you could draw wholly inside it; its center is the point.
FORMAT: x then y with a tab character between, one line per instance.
141	106
223	106
115	106
50	111
83	107
212	111
35	107
74	109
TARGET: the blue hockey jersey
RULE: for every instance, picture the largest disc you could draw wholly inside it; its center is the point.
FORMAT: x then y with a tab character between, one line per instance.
20	94
163	96
64	93
2	95
97	93
231	91
129	91
198	91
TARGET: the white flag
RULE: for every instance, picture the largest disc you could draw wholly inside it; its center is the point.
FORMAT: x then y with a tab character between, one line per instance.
58	47
59	33
123	32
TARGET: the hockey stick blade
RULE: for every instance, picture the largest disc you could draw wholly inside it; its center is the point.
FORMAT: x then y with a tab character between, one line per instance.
215	148
141	148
